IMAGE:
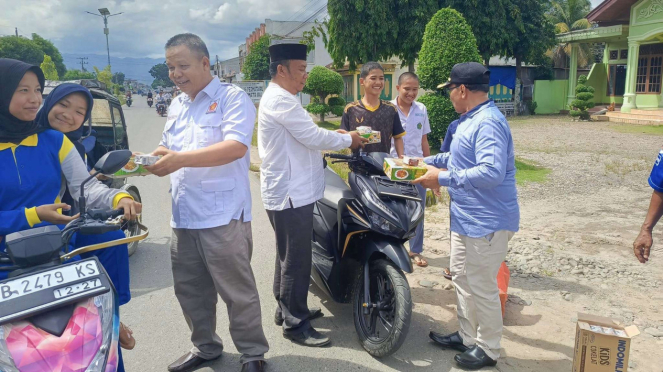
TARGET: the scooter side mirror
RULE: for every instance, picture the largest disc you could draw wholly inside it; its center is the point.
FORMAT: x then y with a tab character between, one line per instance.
113	161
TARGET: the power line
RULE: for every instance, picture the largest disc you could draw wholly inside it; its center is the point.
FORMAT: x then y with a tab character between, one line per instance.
83	62
314	16
300	13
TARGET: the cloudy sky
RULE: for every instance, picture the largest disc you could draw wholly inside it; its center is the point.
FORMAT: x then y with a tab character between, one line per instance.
145	25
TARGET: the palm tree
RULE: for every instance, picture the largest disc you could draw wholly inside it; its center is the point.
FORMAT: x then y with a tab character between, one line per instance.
569	15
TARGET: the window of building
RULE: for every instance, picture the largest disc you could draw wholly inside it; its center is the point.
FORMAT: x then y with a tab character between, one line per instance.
623	54
616	80
614	54
650	63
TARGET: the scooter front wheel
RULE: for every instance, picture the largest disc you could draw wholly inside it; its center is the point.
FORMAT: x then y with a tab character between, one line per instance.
383	330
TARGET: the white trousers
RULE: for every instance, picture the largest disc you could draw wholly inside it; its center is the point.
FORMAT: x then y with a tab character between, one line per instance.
474	266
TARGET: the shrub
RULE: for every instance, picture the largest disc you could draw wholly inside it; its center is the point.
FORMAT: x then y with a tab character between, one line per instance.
317	108
337	110
440	113
583	101
448	40
321	83
531	107
336	101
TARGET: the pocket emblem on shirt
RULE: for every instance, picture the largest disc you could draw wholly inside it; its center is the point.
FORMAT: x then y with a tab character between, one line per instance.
360	121
212	107
419	126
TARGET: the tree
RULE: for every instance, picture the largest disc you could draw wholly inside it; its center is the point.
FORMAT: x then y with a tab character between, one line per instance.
160	74
53	52
569	15
78	75
360	31
118	78
412	17
532	34
48	67
488	21
308	37
22	49
256	64
448	40
321	83
583	101
104	76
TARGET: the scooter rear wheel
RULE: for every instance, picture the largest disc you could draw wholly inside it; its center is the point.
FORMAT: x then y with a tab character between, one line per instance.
385	328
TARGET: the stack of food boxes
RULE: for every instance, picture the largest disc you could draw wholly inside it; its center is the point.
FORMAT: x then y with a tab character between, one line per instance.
406	169
135	166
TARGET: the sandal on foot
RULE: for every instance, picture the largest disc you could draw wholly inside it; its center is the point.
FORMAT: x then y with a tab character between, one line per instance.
418	259
446	273
127	340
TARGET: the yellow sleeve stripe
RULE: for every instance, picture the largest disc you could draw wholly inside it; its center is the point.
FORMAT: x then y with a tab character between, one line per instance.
31	216
120	196
400	135
66	148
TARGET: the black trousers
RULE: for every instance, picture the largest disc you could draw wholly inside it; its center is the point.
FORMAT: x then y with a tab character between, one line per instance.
292	275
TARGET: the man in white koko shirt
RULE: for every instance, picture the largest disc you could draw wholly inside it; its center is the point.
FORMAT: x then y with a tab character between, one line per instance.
292	175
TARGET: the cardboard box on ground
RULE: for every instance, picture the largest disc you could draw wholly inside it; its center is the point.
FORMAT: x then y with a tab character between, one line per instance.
602	344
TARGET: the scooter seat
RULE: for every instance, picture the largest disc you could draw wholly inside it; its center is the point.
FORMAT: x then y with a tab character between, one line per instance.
335	189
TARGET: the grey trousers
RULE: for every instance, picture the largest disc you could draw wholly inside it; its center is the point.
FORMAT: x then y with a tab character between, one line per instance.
292	274
218	260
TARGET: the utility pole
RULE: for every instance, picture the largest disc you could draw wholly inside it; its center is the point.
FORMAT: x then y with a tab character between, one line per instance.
105	14
83	63
16	30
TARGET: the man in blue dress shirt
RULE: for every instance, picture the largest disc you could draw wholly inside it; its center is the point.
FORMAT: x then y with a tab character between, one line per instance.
643	243
479	173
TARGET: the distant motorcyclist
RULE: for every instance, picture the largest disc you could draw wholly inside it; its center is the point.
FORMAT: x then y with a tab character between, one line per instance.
149	94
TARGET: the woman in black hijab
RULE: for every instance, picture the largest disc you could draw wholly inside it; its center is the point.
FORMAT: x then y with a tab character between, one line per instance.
15	129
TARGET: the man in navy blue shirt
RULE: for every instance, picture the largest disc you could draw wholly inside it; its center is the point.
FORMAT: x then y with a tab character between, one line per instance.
642	244
479	173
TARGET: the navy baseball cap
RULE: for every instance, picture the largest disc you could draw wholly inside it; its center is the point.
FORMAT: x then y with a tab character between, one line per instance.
467	73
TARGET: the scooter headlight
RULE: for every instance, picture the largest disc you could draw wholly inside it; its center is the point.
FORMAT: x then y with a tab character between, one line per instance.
416	209
374	199
90	339
381	223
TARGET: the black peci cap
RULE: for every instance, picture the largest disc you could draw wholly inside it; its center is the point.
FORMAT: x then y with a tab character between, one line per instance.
468	73
282	52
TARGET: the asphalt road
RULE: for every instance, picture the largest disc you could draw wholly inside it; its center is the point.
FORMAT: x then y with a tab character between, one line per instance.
159	327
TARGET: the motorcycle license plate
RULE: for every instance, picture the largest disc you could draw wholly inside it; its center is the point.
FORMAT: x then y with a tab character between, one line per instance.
35	292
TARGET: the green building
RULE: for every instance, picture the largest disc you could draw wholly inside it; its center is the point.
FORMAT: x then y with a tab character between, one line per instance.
630	74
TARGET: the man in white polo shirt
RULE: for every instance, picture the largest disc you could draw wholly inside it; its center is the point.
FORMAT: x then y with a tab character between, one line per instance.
414	119
205	151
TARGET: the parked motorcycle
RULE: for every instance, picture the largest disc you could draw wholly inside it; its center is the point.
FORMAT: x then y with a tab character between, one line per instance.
57	314
358	251
161	109
149	101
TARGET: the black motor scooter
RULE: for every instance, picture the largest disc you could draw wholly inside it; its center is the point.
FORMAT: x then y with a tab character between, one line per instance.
358	251
149	101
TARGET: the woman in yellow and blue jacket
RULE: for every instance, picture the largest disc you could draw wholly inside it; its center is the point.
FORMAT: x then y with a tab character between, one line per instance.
38	164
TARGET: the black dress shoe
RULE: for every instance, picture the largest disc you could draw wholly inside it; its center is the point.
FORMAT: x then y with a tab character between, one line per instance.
313	313
309	337
254	366
474	358
452	341
187	362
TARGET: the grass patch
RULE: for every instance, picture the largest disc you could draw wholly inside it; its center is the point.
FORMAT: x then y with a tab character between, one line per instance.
639	129
529	172
330	125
